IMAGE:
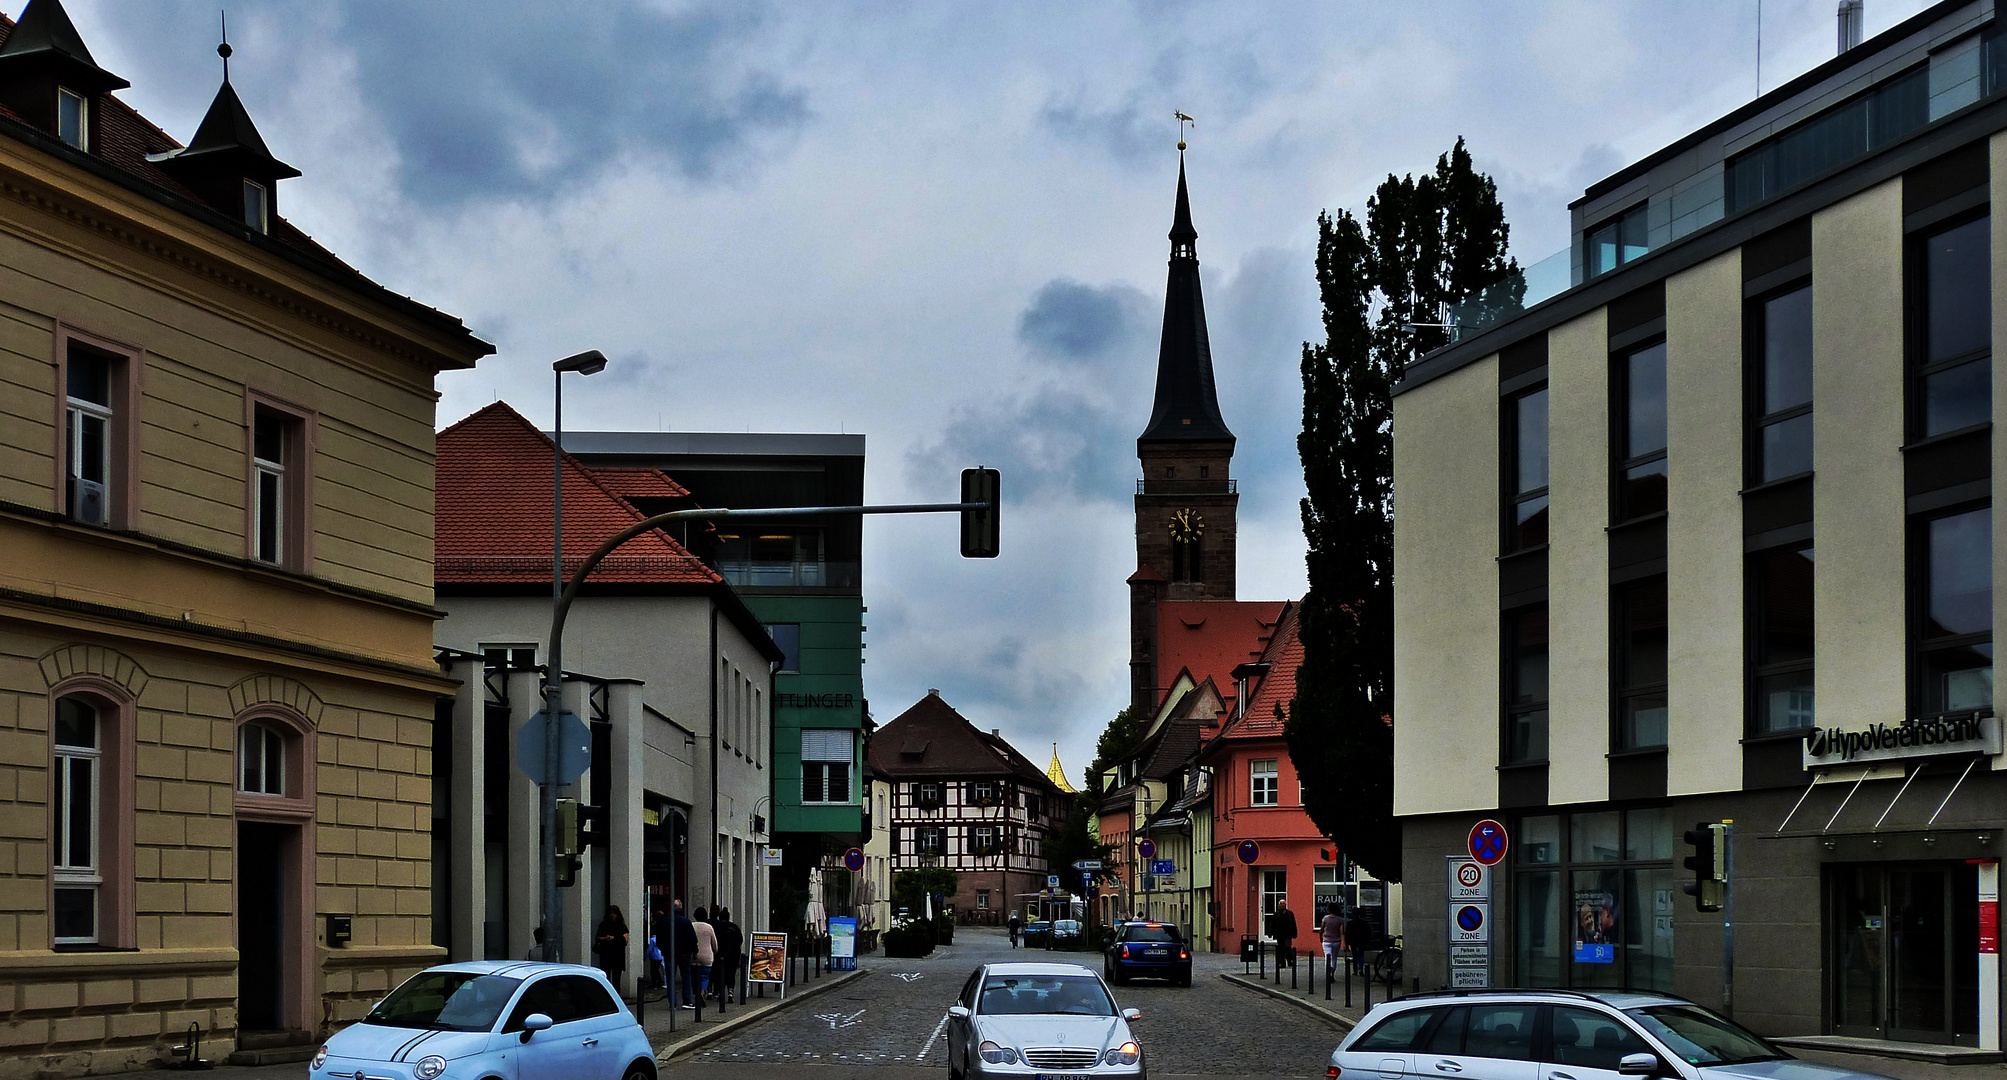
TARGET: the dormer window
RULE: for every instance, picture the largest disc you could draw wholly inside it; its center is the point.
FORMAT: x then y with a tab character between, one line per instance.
73	115
255	205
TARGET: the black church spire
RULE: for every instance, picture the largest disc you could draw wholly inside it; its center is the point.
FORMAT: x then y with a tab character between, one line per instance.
1187	408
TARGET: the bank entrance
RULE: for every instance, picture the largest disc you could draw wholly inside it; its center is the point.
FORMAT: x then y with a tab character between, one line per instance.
1903	948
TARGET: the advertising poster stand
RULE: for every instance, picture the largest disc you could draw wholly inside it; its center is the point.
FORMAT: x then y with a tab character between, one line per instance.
766	960
842	943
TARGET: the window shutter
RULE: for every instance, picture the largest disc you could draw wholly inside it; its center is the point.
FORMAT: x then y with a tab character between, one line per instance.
825	744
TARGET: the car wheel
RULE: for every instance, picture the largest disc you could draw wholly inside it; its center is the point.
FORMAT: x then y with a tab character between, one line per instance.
638	1071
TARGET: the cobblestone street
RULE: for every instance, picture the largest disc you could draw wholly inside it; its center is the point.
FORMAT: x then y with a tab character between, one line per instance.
893	1018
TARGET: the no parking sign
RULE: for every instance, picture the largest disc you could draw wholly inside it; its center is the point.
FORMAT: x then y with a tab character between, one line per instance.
1470	923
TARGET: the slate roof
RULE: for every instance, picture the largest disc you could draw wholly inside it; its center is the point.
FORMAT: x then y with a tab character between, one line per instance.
1187	407
931	739
494	512
1178	738
1209	638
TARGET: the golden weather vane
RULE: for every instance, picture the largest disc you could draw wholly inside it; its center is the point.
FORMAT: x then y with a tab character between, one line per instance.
1182	121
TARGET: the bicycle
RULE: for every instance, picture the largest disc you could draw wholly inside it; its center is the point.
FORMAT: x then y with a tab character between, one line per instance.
1387	965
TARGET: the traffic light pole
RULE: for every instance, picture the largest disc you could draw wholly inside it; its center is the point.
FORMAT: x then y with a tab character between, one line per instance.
989	511
1728	918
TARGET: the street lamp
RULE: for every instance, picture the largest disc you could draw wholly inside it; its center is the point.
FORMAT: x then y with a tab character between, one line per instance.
590	362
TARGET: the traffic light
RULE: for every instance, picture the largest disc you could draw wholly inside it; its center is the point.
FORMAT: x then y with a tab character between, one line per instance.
567	870
592	827
1709	863
567	830
979	527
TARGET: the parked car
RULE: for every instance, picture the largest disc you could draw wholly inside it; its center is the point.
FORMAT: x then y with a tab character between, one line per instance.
1584	1035
1148	949
1024	1021
494	1018
1035	933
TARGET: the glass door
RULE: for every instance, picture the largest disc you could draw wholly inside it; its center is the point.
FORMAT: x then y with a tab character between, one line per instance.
1904	942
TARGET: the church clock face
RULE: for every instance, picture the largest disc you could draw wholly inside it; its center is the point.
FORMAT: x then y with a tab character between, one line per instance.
1187	525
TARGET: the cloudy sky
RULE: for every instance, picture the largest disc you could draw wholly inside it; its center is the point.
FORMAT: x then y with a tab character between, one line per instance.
938	224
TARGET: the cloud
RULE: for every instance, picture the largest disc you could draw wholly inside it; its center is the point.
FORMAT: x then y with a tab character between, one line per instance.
1071	321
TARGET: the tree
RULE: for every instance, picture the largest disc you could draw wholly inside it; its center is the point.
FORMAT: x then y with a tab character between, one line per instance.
1388	289
1117	739
910	888
1072	842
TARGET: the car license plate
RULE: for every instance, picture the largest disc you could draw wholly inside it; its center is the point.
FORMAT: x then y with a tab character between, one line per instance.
1158	952
1063	1076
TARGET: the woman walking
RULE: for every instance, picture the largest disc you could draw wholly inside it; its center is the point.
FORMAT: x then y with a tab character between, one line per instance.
706	937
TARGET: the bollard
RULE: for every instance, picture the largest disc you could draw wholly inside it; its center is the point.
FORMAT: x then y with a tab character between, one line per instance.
1292	967
1313	980
1348	984
1366	987
1329	973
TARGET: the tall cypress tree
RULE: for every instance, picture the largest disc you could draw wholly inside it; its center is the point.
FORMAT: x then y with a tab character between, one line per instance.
1388	287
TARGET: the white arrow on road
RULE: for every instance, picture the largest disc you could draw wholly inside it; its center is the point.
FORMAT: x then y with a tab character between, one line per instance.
838	1019
907	976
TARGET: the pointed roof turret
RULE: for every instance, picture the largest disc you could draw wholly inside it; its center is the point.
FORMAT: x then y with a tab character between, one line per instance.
1187	407
44	40
228	139
1056	773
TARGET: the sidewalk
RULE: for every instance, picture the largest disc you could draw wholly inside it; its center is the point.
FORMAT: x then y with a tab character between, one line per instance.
1333	1010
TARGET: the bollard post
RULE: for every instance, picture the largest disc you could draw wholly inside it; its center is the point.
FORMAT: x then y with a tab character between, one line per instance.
1313	980
1348	984
1292	967
1366	987
1329	973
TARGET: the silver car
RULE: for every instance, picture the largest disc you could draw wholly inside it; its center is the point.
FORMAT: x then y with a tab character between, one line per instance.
1041	1022
1561	1035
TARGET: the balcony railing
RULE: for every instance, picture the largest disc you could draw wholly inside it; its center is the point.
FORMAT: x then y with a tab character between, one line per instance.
1149	486
1512	294
811	575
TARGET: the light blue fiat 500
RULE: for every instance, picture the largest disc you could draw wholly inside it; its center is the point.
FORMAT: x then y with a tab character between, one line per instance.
493	1020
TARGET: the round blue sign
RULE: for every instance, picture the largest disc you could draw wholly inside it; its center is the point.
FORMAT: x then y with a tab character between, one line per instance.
853	860
1147	848
1470	918
1249	851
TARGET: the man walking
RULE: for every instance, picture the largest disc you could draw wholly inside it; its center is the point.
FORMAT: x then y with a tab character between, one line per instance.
1356	932
731	940
1282	927
685	952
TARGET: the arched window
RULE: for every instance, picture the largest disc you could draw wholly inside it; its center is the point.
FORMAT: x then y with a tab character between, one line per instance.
261	760
78	743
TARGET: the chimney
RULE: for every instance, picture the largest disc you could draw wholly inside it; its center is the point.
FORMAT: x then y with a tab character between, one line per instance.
1853	21
933	691
996	733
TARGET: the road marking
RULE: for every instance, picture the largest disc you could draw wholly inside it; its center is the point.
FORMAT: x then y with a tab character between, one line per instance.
907	976
836	1019
928	1046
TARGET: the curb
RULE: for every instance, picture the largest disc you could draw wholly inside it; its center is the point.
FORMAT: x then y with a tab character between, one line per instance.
711	1034
1345	1023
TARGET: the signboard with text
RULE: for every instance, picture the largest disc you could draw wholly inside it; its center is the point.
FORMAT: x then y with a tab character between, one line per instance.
766	958
1469	922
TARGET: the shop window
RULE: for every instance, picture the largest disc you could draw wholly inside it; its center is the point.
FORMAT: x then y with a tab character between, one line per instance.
1953	384
1593	899
1526	686
1780	647
1616	241
1641	438
1641	665
1264	788
1526	471
1953	639
1781	444
826	758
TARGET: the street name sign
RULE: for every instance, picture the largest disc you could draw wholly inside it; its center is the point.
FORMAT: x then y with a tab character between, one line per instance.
1087	864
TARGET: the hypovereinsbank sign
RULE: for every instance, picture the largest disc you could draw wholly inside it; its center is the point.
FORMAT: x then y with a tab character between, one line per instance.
1963	734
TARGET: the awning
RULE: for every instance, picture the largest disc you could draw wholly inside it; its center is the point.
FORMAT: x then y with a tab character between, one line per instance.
1866	799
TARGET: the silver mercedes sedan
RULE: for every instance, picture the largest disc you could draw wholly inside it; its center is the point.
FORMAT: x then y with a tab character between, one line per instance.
1041	1022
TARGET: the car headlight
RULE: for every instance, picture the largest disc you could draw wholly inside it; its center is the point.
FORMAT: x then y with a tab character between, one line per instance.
997	1053
429	1068
320	1058
1125	1054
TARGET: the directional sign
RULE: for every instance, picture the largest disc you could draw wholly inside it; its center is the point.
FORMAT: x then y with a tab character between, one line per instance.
1146	847
1052	881
1249	851
1087	864
1163	866
1470	923
1487	842
853	860
574	746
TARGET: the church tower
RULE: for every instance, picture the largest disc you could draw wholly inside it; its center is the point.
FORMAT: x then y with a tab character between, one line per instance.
1186	501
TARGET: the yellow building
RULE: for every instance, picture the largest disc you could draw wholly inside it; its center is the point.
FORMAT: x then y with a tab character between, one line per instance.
216	676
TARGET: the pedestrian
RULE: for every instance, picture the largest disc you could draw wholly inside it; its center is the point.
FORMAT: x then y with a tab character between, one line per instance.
706	938
731	947
1282	927
1331	933
539	952
652	952
1015	925
685	934
609	944
1356	932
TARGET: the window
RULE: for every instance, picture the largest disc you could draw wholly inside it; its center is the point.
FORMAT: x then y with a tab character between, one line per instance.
1263	788
1954	373
1830	140
79	752
1526	685
1186	558
1954	641
261	760
930	840
1616	241
982	900
788	637
1641	442
1781	644
1592	1040
1526	472
927	796
73	118
984	838
781	558
1641	645
985	792
255	205
268	486
1033	806
1782	441
1593	899
89	434
507	656
826	757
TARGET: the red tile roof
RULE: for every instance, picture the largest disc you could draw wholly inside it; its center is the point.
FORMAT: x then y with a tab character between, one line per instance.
639	483
1209	638
1277	688
494	512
